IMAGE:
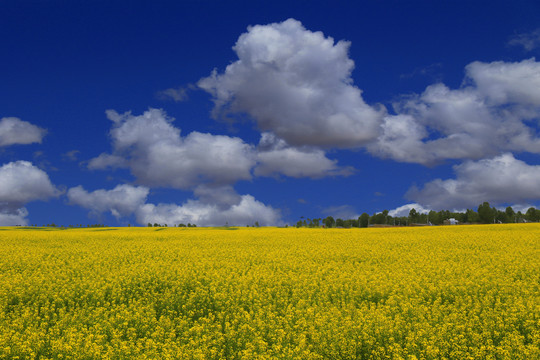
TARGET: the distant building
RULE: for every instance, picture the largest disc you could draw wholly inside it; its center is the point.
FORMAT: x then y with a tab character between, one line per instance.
450	221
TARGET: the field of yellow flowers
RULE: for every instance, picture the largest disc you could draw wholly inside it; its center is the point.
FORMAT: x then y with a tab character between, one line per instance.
454	292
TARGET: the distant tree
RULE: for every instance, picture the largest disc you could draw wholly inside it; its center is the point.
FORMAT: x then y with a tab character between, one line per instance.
348	223
510	214
181	225
363	220
471	216
532	215
434	218
500	216
299	224
486	214
340	223
385	214
377	218
329	222
413	216
257	224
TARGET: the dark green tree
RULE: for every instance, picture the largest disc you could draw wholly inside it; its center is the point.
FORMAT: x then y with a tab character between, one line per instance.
413	216
510	214
385	214
363	220
500	216
531	215
329	222
434	218
486	214
471	216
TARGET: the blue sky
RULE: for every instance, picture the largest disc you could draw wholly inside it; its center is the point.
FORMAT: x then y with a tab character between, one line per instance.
128	112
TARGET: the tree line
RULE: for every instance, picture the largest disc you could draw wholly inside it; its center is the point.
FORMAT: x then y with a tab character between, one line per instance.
484	214
165	225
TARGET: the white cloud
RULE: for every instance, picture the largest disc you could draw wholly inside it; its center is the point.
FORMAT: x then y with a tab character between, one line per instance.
495	111
121	201
405	209
308	97
309	100
221	196
344	212
246	212
21	183
104	161
502	179
15	217
529	41
71	155
401	140
177	95
152	148
15	131
502	83
516	207
276	157
215	206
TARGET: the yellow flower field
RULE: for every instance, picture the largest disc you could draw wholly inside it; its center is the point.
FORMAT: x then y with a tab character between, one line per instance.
455	292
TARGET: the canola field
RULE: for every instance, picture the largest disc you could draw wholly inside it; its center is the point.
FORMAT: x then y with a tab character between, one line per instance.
454	292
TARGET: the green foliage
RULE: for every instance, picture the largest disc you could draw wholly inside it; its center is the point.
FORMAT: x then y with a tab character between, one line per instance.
329	222
363	220
486	214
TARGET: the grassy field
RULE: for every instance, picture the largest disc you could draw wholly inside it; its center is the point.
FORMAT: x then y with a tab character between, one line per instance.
455	292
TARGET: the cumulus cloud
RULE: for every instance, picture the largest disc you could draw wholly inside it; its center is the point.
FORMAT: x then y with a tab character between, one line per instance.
15	131
177	95
502	83
276	157
529	41
152	148
309	101
345	212
502	179
71	155
246	212
104	161
214	206
308	97
15	217
21	183
495	111
405	209
121	201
